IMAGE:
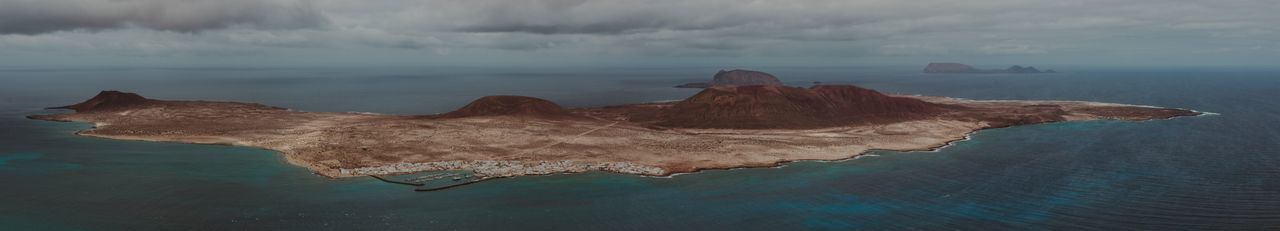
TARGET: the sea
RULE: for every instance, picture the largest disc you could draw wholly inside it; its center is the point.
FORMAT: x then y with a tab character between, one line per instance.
1218	171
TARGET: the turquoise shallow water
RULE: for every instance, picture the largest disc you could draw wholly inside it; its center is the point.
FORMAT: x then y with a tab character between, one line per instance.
1210	172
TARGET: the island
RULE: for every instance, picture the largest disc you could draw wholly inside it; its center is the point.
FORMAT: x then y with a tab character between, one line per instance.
736	77
958	68
507	136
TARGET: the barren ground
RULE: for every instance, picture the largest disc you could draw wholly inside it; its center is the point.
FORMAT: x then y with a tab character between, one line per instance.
348	144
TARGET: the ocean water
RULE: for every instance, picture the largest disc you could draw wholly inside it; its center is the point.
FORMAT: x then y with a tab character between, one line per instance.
1207	172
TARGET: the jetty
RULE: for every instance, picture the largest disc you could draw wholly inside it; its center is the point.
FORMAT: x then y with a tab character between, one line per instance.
396	181
446	186
429	177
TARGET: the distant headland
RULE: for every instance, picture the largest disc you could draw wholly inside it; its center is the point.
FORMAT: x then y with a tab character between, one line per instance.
958	68
723	126
735	78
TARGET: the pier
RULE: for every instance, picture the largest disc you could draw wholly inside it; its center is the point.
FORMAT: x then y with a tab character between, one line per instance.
445	187
396	181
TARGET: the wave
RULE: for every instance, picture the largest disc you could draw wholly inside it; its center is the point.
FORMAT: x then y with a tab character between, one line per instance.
864	155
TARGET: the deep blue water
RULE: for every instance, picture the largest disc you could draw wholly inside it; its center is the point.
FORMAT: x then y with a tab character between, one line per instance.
1209	172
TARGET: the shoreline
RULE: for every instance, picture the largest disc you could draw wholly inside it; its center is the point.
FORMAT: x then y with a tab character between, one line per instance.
345	145
464	165
665	173
939	148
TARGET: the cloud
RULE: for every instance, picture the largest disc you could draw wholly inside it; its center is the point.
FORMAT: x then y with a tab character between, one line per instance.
1012	49
818	29
911	49
625	17
584	17
45	16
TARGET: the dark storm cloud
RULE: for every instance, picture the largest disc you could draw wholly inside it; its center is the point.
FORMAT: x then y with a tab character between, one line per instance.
588	17
594	28
44	16
819	29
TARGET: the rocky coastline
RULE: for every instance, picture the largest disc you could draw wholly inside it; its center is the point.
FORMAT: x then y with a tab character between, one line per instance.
509	136
485	169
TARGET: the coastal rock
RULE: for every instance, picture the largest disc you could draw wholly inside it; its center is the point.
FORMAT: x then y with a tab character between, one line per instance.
506	105
109	100
486	169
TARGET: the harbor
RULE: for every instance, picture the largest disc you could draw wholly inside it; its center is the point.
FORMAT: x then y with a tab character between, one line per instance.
431	181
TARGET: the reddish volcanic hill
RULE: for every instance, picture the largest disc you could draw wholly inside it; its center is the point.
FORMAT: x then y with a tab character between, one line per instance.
109	100
758	107
505	105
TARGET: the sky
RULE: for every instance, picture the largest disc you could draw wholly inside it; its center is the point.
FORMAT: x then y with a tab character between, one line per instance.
630	32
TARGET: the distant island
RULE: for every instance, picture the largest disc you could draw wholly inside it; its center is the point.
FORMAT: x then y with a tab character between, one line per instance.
506	136
735	78
945	68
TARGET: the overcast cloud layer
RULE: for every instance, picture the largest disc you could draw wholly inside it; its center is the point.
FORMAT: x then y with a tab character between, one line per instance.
1069	31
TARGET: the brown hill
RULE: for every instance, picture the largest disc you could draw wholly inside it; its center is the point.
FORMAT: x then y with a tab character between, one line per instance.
506	105
109	100
759	107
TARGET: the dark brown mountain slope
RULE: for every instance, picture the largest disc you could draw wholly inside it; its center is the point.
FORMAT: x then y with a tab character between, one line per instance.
759	107
506	105
109	100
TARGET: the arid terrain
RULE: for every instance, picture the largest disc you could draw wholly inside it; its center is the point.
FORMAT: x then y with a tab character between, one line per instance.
504	136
